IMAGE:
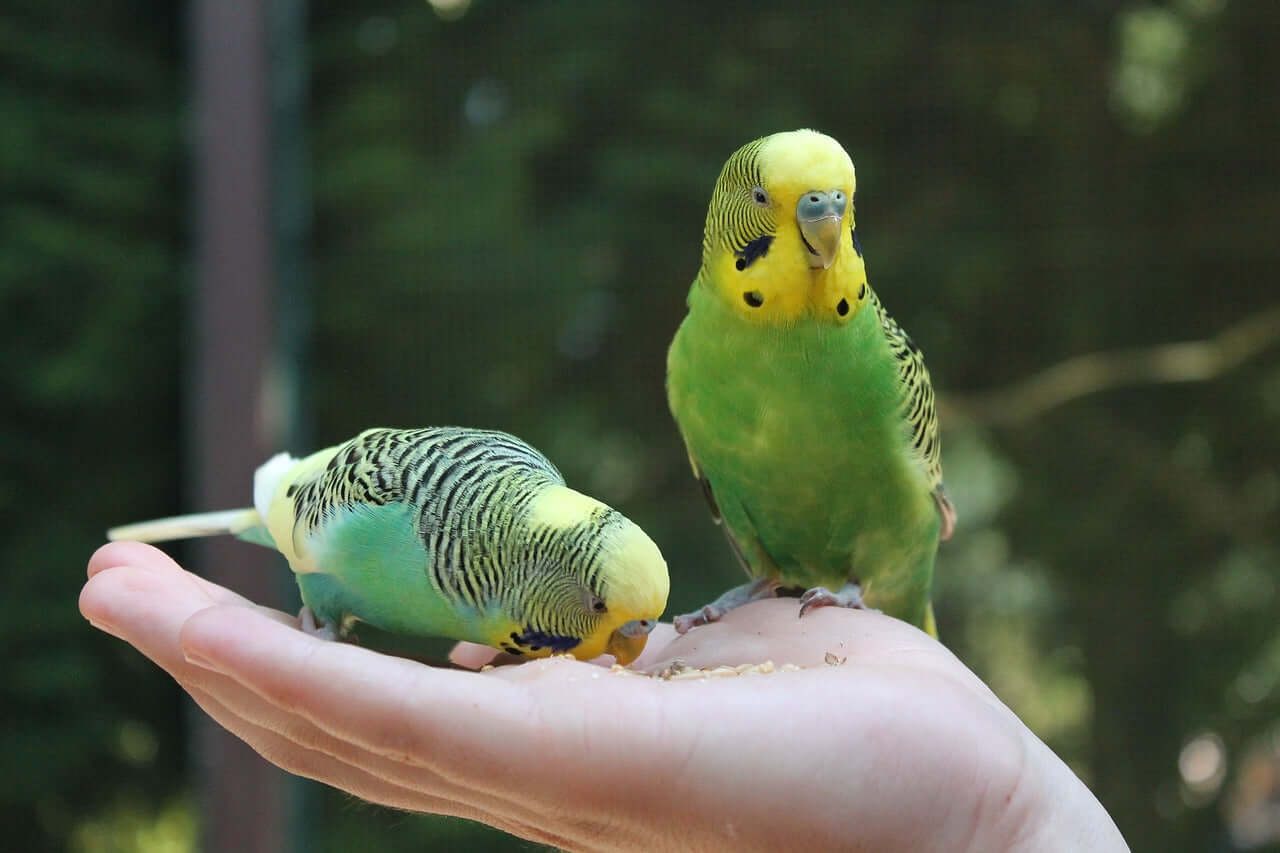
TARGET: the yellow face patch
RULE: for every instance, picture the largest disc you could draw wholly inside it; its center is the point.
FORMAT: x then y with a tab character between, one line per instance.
774	283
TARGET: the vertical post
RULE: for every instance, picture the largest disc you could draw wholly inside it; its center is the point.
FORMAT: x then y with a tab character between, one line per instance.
292	215
243	798
291	208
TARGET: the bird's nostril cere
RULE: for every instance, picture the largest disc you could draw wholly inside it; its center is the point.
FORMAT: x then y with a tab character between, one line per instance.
815	205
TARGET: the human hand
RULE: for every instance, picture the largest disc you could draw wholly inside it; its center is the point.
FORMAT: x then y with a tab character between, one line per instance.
900	747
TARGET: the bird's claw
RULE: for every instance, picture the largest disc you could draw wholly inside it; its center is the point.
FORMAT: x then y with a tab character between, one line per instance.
819	596
307	621
731	600
704	615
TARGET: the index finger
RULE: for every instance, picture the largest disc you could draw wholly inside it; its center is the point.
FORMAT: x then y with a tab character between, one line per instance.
490	731
152	559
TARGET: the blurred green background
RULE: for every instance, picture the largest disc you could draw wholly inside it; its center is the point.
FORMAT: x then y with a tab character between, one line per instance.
507	204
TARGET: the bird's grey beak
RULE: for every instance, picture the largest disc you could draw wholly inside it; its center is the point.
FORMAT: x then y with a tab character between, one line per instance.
627	642
820	215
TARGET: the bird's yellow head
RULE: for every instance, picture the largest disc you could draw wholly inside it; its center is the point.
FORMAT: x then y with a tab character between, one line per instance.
603	587
780	241
634	585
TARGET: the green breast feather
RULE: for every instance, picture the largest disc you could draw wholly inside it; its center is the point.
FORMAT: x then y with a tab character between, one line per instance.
807	412
817	477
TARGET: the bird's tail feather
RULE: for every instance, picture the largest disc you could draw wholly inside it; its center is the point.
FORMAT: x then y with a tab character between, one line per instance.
232	521
249	523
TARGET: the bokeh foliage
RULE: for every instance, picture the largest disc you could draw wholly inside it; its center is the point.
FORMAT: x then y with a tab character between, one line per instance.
508	206
91	307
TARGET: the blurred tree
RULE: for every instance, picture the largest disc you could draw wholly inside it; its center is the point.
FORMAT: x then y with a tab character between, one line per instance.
90	265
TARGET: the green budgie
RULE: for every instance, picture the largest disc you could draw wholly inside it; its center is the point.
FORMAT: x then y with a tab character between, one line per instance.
806	410
448	532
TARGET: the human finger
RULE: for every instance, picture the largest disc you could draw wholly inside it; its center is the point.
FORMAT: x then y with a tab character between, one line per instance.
324	766
147	608
294	744
447	721
353	693
472	655
150	558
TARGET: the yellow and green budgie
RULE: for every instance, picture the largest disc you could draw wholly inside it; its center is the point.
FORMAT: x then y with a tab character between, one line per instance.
448	532
806	410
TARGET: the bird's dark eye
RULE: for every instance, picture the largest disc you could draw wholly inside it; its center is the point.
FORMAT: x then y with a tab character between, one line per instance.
760	197
595	603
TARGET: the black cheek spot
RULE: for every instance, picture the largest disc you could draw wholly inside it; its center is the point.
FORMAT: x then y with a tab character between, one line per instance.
862	292
753	251
842	307
754	298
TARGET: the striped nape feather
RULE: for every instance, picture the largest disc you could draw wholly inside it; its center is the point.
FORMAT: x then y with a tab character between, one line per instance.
918	403
428	468
557	607
735	219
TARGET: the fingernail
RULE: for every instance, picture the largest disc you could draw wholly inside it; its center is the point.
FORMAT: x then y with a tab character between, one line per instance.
103	626
196	659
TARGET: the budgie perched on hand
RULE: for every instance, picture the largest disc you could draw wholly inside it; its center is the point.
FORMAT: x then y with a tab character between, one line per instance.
448	532
806	410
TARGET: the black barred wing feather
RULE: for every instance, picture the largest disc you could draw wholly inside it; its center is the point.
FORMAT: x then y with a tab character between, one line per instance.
919	410
422	467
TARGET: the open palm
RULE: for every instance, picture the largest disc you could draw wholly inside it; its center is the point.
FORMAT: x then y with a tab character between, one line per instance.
884	741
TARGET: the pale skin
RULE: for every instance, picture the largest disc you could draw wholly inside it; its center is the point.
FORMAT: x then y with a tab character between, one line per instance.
900	747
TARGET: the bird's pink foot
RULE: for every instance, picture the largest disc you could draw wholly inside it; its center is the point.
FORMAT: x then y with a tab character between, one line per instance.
704	615
850	595
731	600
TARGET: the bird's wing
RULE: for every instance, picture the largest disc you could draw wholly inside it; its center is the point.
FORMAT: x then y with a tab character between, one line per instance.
919	411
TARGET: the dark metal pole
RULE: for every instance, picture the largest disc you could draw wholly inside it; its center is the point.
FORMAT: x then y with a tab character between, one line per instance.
292	216
233	425
291	208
